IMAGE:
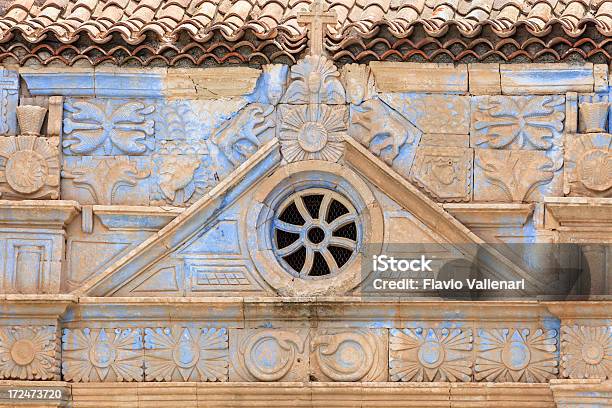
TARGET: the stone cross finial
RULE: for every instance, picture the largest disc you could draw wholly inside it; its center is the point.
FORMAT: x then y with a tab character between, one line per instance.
317	18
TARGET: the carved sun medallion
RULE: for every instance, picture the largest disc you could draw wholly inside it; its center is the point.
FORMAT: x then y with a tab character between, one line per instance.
315	233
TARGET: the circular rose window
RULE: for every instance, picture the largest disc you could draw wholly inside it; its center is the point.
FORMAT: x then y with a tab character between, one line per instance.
315	233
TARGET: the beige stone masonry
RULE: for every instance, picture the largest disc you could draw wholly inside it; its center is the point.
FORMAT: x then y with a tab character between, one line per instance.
210	83
417	77
443	140
600	75
582	393
484	79
542	79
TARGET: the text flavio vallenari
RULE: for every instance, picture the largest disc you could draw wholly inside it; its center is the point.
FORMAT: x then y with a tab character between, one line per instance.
382	264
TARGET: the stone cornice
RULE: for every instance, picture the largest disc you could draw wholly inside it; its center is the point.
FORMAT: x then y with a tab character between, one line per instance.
37	213
490	215
594	213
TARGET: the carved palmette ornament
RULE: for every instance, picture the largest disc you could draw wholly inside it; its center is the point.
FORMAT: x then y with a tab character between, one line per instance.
593	117
351	355
30	119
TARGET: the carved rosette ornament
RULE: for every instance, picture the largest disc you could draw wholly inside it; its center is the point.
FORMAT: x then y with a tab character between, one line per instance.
184	354
430	355
94	355
586	351
516	355
29	164
28	353
588	165
312	132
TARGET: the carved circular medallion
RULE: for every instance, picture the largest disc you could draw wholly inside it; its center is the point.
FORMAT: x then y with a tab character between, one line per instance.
186	354
312	136
102	354
23	352
346	356
267	359
431	354
595	169
592	352
516	355
26	171
315	232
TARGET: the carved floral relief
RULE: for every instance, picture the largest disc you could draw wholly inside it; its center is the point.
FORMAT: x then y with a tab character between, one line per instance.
96	355
186	354
315	79
517	122
312	132
516	355
586	351
29	353
430	355
588	165
108	127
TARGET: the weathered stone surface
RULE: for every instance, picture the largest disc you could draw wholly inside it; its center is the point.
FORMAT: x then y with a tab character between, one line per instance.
600	78
444	172
315	79
586	351
442	140
9	97
210	83
517	122
484	79
529	79
417	77
588	165
433	113
516	175
29	353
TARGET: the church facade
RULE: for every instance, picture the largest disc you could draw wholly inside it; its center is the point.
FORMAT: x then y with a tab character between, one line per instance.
192	193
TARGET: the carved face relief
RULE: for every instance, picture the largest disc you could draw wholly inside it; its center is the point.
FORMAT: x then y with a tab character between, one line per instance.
176	173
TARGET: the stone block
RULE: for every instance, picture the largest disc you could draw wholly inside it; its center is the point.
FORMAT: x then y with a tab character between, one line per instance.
600	77
588	165
9	97
542	79
64	81
517	122
571	112
419	77
433	113
517	175
349	355
442	140
484	79
444	172
269	354
129	82
210	83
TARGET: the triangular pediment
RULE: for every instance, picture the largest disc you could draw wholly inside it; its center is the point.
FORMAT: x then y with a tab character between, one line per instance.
213	247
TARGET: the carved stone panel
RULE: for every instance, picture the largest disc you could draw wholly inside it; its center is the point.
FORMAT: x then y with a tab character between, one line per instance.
186	354
385	133
423	354
102	355
9	97
108	127
433	113
588	165
444	172
349	355
269	354
29	353
314	79
516	355
517	122
29	167
586	351
516	176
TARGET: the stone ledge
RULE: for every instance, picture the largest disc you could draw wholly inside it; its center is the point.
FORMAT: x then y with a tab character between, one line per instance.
38	213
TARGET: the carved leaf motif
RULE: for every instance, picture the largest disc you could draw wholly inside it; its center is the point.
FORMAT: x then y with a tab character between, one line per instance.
532	122
28	353
94	126
93	355
315	80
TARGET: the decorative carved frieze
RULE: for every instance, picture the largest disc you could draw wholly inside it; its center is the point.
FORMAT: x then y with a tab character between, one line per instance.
108	127
186	354
516	175
423	354
269	354
106	180
586	351
385	133
588	165
517	122
315	79
444	172
432	113
29	353
516	355
96	355
349	355
312	132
